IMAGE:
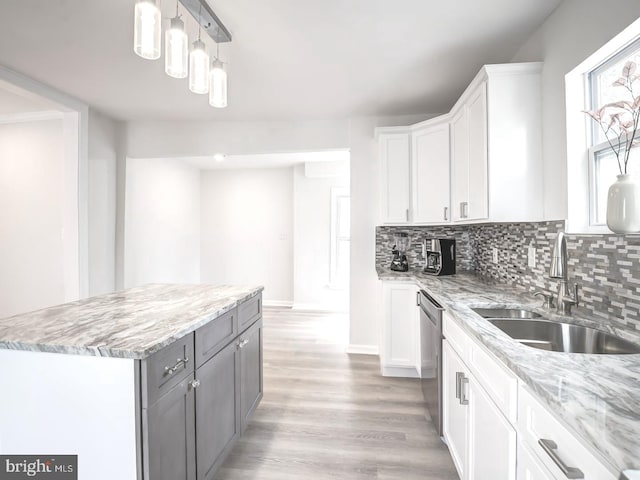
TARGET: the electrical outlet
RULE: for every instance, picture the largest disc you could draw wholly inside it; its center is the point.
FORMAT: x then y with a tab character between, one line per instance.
494	253
531	256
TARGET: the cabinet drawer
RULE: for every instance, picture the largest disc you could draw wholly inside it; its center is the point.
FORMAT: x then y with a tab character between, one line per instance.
500	383
167	368
213	336
249	312
536	423
458	339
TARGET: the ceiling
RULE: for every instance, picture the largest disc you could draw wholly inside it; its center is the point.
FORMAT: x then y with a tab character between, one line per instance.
289	59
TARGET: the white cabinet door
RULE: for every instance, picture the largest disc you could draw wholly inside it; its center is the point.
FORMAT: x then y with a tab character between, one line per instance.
492	439
394	156
529	468
401	340
478	172
460	164
454	412
430	174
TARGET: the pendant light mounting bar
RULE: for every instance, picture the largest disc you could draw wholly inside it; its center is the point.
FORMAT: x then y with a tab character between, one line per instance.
208	20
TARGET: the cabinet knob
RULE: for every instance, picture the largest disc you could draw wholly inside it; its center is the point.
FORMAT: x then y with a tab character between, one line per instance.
194	383
243	343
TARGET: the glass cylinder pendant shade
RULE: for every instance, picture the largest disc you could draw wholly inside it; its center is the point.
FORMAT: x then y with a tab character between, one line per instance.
218	85
147	28
199	68
176	47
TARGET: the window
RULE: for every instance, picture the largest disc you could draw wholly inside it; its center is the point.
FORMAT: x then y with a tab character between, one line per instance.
340	236
603	166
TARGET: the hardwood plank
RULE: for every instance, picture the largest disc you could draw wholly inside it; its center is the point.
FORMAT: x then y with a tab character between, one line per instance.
329	415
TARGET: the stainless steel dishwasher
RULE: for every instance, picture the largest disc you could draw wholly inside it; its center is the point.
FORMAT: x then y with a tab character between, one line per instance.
431	353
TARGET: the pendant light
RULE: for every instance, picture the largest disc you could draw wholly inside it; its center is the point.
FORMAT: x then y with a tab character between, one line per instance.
217	82
147	28
199	65
176	46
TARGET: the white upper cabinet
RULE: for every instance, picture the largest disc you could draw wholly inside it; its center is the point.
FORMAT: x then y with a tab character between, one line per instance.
415	173
480	162
394	157
497	146
430	176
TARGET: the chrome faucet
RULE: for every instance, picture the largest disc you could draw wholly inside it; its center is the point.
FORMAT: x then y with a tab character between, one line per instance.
559	270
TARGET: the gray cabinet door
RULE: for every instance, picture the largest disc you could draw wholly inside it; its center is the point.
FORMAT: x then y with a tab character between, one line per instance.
250	371
170	447
217	410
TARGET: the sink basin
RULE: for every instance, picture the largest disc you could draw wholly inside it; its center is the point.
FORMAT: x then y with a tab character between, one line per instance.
505	313
563	337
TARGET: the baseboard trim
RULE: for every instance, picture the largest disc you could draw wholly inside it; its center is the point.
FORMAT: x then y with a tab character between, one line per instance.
277	303
362	349
406	372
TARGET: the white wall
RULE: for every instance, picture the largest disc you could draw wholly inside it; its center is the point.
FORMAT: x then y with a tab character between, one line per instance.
157	139
103	149
247	229
32	195
573	32
312	242
162	222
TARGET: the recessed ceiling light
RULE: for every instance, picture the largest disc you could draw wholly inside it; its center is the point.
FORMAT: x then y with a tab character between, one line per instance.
219	157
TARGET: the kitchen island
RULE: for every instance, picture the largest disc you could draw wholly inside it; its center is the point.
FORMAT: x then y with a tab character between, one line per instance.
155	382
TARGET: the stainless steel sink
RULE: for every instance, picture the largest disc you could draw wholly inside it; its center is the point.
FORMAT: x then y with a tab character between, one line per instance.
505	313
563	337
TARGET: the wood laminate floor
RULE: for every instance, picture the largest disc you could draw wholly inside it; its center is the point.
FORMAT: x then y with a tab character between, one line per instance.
329	415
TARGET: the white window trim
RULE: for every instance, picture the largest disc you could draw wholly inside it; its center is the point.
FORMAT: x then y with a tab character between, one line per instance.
336	192
580	175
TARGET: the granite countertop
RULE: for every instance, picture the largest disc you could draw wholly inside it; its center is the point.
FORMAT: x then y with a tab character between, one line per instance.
132	323
597	396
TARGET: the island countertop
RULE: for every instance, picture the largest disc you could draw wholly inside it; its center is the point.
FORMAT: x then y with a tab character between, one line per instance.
132	323
595	395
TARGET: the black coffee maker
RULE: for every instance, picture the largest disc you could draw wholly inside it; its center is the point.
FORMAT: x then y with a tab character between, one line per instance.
399	262
440	255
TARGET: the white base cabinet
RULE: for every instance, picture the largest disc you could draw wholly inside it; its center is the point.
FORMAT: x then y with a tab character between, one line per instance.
481	440
400	349
496	429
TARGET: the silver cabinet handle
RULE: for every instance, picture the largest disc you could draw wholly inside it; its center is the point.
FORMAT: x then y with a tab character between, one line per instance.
446	210
179	364
194	383
406	214
418	299
243	343
550	447
464	209
459	377
464	400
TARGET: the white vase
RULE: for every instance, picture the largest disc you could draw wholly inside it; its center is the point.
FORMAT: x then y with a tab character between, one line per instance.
623	205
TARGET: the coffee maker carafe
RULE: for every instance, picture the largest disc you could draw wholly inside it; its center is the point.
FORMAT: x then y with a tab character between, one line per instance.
399	262
440	256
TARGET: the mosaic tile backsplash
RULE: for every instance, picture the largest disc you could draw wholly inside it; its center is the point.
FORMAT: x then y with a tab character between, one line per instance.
607	267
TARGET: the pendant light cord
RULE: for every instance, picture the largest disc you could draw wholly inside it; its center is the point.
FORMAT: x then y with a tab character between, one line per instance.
200	22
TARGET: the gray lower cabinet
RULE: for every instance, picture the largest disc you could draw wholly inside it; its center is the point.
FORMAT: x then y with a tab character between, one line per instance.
198	395
170	451
217	409
250	371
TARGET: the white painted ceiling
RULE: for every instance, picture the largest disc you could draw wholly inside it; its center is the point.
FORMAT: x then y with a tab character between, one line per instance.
289	59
